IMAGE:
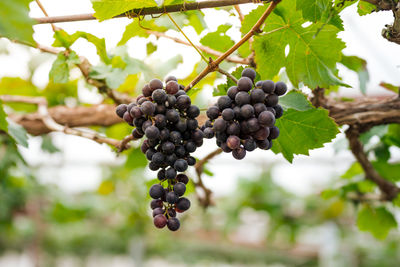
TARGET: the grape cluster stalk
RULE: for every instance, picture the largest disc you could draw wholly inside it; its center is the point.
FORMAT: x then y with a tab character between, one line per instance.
244	119
166	117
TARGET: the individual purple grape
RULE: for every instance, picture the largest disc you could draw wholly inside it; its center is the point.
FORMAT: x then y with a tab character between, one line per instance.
266	118
268	87
120	110
160	221
182	178
158	211
280	88
179	189
156	203
239	153
155	84
249	73
173	224
212	112
245	84
242	98
183	204
233	142
274	132
156	191
172	87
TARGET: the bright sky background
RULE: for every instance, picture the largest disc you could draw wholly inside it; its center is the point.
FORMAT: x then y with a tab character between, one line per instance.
78	168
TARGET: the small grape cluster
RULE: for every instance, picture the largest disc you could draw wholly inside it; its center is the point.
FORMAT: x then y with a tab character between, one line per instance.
166	117
244	119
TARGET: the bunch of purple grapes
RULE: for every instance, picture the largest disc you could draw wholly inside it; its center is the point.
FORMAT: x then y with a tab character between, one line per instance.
166	117
244	119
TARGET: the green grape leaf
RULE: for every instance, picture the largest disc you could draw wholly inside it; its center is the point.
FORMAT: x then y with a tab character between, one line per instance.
59	72
359	66
295	100
48	145
251	19
313	10
64	39
139	29
377	221
301	131
3	116
365	8
15	23
223	88
387	170
115	76
196	20
390	87
18	133
150	48
218	40
135	159
106	9
313	50
392	136
354	170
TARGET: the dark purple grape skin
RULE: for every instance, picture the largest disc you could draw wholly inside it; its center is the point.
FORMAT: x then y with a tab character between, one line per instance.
160	121
192	124
191	161
152	132
193	112
171	212
274	132
278	111
233	142
239	153
158	158
180	165
224	102
263	144
155	84
224	146
219	125
170	173
183	204
262	133
172	116
179	189
171	197
183	102
242	98
266	118
212	112
172	87
170	159
146	124
171	78
121	109
253	125
136	112
182	178
128	118
232	91
271	100
268	87
228	114
257	96
280	88
171	101
160	221
258	108
156	191
233	129
208	133
158	211
190	147
144	147
159	96
154	166
245	84
150	152
168	148
247	111
175	137
249	145
146	91
136	134
148	108
161	175
249	73
173	224
156	203
272	110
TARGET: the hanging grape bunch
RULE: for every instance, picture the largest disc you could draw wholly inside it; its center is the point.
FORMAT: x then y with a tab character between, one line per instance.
244	119
166	117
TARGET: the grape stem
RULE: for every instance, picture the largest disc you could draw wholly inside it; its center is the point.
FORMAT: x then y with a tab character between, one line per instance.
390	190
227	74
199	167
150	10
213	66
